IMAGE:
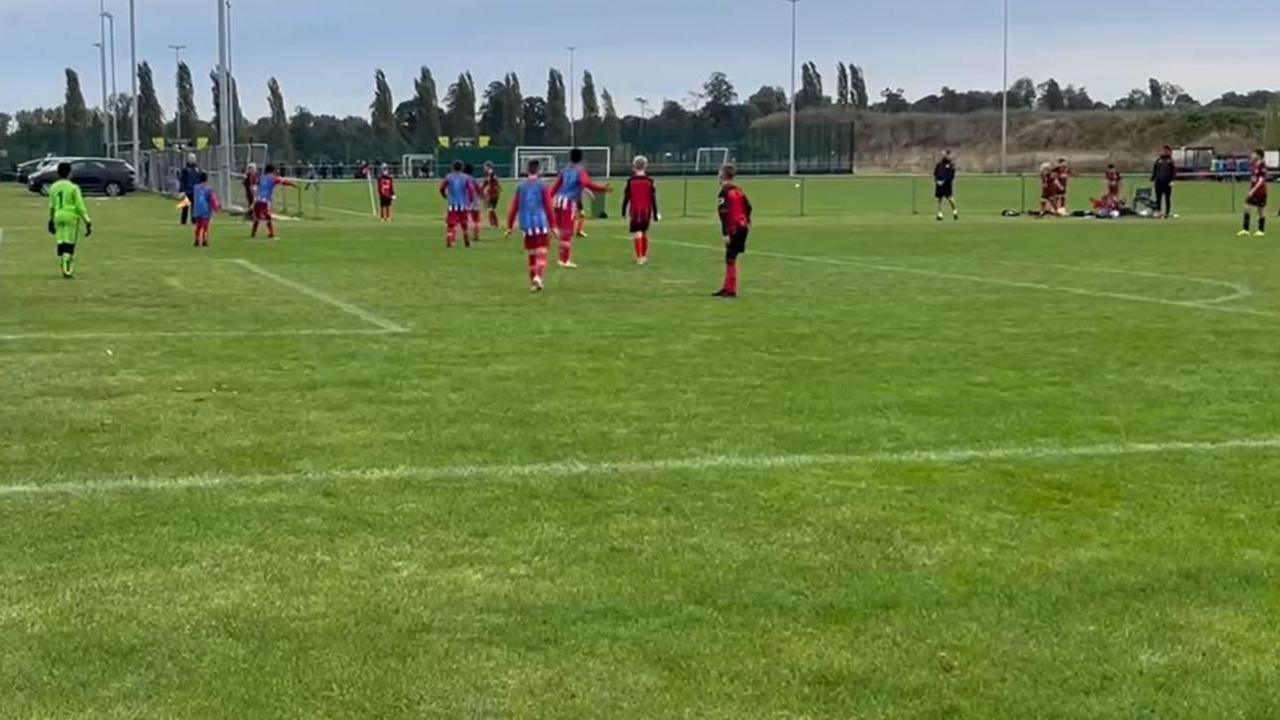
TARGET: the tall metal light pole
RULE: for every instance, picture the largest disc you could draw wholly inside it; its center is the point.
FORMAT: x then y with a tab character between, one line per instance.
133	73
230	64
1004	99
102	60
177	61
111	111
225	111
573	100
792	166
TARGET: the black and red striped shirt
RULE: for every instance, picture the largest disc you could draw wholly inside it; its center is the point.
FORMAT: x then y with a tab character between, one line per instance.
386	187
735	209
640	197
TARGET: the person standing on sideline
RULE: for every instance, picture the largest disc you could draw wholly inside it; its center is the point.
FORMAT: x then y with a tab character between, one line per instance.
1256	201
250	189
1163	174
188	179
944	180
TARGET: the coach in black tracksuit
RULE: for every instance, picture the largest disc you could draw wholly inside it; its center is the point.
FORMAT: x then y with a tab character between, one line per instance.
1163	174
944	180
188	178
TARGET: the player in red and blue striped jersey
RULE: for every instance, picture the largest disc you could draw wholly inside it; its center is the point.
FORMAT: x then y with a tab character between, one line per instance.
473	213
458	191
532	204
567	196
265	195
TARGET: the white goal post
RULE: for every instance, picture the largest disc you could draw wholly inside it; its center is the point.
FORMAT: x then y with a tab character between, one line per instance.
711	159
598	160
412	166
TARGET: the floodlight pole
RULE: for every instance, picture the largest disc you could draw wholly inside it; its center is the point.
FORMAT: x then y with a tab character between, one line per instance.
225	112
133	63
792	165
573	99
177	116
102	63
1004	99
230	64
111	111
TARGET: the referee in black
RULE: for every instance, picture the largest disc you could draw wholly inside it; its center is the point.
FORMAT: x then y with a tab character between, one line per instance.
944	180
1163	174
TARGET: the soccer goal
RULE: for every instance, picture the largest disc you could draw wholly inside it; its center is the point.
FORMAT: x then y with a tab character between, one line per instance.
711	159
599	160
417	166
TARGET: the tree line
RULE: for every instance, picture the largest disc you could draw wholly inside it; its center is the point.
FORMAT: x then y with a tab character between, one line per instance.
714	114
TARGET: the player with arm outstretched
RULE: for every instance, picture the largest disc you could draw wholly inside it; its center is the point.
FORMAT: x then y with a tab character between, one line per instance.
640	206
492	192
567	194
735	226
386	195
67	212
1256	201
266	195
532	205
458	192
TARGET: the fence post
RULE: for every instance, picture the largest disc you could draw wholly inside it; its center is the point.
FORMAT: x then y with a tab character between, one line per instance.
1022	180
1231	188
686	197
914	209
804	188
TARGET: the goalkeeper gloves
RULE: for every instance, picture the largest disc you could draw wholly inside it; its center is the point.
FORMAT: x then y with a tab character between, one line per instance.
52	230
88	229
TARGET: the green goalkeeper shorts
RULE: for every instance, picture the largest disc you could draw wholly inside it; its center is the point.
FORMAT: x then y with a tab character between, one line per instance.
66	233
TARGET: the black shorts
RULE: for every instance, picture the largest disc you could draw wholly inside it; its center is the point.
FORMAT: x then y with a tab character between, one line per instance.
385	201
492	203
640	223
1258	201
737	244
944	191
66	249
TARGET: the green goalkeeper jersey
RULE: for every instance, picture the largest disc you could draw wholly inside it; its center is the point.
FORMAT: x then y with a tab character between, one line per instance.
66	204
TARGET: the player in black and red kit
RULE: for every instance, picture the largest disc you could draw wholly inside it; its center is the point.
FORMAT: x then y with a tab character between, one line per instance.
491	191
735	225
1256	202
640	206
386	194
1113	185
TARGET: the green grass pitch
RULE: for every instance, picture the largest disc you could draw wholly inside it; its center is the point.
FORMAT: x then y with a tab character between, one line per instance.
986	469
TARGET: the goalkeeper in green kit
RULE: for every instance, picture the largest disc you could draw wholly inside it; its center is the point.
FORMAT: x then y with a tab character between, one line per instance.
66	211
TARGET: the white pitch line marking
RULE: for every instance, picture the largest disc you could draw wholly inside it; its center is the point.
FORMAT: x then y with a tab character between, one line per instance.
311	292
1192	304
1238	291
127	335
612	468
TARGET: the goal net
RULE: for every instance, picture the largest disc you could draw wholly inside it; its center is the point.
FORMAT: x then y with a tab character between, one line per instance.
598	160
417	166
711	159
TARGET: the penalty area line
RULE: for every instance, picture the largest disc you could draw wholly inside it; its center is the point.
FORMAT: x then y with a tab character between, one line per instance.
611	468
354	310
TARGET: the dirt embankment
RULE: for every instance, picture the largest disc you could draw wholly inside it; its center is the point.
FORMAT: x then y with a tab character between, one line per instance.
910	142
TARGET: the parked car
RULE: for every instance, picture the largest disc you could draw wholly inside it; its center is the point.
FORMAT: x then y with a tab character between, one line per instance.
94	175
27	169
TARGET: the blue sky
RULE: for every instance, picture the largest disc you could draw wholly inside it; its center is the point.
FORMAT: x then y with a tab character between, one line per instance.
325	51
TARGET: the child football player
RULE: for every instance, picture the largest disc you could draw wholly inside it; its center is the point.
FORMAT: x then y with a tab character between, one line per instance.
1113	185
492	191
473	210
532	204
735	225
458	191
267	184
204	204
386	194
66	211
1256	202
640	198
567	191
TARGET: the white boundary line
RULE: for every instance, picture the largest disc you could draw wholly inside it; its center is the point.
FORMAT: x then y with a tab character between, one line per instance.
1238	291
311	292
126	335
611	468
1191	304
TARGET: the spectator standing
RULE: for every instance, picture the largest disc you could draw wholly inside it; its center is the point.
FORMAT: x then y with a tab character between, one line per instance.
944	181
1163	174
188	179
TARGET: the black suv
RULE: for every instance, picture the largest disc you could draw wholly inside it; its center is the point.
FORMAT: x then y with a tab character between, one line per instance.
94	175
